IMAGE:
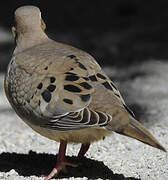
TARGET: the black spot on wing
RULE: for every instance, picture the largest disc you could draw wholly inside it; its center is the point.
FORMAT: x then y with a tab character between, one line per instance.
40	86
107	85
86	85
46	95
72	88
93	78
82	66
52	79
71	78
71	56
86	78
51	88
70	73
101	76
68	101
85	97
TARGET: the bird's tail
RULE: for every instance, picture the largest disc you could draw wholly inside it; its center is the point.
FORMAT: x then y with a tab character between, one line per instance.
137	131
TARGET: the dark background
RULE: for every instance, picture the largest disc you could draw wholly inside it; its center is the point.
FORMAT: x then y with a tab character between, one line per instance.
116	32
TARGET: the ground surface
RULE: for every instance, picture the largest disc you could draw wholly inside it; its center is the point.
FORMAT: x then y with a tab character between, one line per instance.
24	155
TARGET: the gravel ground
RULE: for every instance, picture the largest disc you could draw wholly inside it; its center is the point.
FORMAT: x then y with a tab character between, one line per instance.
24	154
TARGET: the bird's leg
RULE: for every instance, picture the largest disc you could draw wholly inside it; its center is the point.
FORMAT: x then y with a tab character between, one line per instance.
83	150
61	161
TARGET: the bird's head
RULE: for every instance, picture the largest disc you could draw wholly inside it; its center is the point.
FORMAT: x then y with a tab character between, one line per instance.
28	26
28	19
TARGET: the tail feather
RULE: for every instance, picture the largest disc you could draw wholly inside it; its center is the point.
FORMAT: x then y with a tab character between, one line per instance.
137	131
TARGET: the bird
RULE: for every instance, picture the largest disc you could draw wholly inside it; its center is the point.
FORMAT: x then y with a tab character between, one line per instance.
62	93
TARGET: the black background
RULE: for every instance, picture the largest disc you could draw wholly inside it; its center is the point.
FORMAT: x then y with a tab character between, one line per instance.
116	32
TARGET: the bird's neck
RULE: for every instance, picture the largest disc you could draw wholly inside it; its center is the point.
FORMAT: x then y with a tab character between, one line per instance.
28	40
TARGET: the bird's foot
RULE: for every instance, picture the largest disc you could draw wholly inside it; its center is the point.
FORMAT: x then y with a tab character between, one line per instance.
60	166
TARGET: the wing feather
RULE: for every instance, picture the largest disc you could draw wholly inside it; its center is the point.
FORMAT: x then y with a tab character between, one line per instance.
86	118
64	98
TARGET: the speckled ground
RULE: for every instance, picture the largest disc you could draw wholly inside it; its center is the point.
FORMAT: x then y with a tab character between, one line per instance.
25	155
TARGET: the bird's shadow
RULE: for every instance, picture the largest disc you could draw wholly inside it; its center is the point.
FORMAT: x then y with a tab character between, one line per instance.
37	164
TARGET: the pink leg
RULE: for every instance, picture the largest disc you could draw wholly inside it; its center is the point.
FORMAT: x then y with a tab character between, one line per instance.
83	150
61	161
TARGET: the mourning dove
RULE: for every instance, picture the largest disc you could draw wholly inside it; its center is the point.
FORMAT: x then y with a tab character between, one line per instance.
62	93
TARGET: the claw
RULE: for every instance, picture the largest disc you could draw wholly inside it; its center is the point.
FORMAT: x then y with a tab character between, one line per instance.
61	162
60	166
